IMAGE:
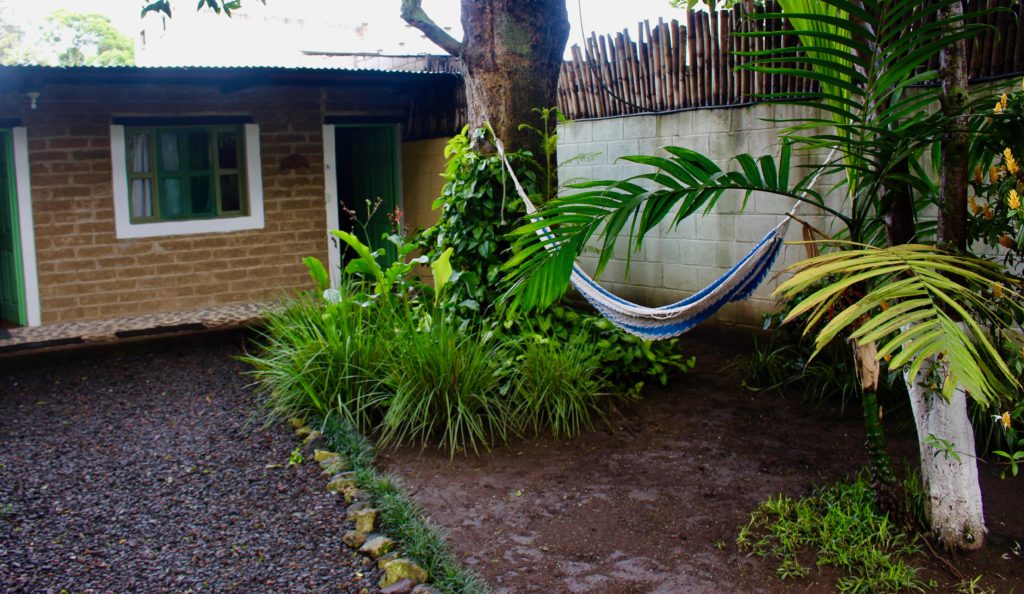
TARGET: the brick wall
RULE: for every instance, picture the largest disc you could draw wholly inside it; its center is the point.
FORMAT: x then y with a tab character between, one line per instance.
675	263
86	272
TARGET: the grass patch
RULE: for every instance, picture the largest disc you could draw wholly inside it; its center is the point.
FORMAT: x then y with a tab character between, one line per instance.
839	526
400	518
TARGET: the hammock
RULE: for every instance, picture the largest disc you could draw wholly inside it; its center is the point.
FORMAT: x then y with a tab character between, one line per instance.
659	323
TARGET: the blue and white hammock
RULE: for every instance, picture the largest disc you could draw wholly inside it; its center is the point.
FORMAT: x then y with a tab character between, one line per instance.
658	323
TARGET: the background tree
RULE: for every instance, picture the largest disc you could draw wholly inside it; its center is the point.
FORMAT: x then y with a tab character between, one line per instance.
87	40
13	48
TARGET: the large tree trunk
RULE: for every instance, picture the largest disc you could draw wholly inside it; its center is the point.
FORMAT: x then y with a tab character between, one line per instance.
511	58
953	504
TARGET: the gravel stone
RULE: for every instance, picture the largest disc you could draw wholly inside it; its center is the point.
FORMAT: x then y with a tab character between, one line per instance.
149	473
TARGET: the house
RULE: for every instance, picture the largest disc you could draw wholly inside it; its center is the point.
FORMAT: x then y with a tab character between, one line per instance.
127	191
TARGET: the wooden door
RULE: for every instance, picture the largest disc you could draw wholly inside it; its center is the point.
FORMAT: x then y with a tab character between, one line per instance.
368	182
12	288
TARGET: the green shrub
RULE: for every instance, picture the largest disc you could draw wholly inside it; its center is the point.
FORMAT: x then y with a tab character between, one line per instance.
559	386
321	357
844	529
444	387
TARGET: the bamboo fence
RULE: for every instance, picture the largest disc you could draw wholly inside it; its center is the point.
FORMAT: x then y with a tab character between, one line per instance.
677	65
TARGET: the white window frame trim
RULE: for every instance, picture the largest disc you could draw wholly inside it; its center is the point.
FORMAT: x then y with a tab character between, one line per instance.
23	187
122	215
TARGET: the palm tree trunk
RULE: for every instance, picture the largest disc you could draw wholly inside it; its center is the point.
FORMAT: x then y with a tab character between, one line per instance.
954	505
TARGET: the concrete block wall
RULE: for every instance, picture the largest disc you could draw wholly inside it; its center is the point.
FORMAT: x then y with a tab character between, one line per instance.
677	262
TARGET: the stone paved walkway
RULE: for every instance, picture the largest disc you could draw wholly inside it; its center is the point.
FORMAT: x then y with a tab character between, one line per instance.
69	334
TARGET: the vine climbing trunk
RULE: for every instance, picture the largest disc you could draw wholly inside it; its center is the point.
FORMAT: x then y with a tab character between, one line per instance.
888	490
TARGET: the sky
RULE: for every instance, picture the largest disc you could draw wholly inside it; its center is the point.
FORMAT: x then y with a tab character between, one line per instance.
602	16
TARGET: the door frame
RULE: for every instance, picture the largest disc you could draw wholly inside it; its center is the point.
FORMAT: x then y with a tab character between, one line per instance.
331	186
26	231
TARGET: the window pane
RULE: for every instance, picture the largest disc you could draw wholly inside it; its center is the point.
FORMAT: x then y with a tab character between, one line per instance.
199	150
170	199
169	151
227	150
202	197
230	193
142	198
138	152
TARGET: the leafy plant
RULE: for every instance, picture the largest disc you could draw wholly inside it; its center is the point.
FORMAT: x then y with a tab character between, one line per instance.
444	388
478	208
559	386
295	458
842	527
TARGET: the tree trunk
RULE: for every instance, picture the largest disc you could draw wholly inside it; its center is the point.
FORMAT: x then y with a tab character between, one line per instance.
511	57
952	492
952	223
953	504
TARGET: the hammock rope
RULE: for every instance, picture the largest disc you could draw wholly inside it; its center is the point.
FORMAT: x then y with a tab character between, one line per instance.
659	323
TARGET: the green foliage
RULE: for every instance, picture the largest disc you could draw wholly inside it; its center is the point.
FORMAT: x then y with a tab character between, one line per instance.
842	527
322	357
419	539
295	458
217	6
922	303
443	386
478	208
559	385
88	40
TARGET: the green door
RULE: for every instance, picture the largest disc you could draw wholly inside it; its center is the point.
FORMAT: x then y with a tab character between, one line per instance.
12	287
368	186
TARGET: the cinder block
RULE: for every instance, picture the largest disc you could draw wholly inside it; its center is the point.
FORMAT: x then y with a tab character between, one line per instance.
640	126
610	129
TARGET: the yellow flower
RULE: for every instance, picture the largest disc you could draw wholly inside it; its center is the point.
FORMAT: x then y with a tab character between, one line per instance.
987	213
1011	163
1002	101
1005	420
977	175
993	174
997	290
1013	200
975	209
998	109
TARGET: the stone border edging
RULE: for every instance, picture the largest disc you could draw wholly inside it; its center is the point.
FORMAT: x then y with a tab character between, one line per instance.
401	576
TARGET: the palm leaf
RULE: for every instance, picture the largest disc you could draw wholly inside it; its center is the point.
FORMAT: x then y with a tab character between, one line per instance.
921	303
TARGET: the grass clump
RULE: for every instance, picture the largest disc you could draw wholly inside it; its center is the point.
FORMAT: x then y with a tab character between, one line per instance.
559	386
444	385
839	526
400	518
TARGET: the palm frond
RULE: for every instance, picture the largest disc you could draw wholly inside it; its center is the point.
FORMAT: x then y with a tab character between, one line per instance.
921	303
681	185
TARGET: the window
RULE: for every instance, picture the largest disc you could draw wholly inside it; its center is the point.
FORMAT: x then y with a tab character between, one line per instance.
175	177
185	173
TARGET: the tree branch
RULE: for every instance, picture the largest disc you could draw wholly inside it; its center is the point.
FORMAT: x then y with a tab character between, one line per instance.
412	13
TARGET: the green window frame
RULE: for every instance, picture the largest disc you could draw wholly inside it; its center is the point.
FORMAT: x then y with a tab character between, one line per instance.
180	173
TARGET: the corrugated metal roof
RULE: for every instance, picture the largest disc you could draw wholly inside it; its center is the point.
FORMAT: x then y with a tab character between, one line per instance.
198	69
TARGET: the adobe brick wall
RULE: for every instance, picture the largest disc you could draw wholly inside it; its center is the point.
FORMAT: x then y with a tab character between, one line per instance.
86	273
675	263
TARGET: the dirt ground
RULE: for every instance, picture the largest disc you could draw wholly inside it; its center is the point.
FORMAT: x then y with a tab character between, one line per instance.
654	503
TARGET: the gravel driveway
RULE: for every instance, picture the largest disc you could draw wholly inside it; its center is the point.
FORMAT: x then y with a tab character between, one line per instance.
145	473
